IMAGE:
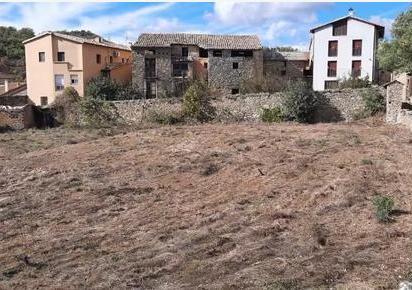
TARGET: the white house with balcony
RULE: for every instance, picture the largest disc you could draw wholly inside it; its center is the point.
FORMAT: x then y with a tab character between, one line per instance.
342	48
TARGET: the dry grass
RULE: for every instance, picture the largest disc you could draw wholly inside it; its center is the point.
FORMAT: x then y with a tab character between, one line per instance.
208	207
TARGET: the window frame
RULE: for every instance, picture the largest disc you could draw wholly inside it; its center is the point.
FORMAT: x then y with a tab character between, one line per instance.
354	50
332	73
235	65
42	56
57	87
59	56
98	58
356	73
330	51
44	101
218	53
340	28
74	77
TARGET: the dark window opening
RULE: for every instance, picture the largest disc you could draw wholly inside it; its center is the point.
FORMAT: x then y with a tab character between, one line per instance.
185	52
150	67
203	53
235	65
235	91
217	53
60	56
42	56
111	59
332	68
340	28
43	101
180	69
98	58
357	47
205	65
242	53
356	68
282	72
333	48
331	85
150	89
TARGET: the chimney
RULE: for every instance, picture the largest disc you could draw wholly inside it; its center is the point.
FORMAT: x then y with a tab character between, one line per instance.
351	12
98	39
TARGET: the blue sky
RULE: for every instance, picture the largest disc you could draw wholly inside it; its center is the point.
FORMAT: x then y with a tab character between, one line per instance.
277	23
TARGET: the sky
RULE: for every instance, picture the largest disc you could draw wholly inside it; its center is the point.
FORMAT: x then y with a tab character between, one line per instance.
276	23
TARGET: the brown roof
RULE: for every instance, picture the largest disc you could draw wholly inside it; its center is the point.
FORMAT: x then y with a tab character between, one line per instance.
380	28
206	41
100	41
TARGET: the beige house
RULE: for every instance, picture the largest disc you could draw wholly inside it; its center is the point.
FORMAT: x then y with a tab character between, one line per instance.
55	61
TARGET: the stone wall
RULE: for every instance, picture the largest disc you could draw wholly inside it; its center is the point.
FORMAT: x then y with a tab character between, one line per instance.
222	76
340	105
394	96
16	118
13	100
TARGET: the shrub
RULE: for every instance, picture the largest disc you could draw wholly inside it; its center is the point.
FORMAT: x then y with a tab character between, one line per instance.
374	101
354	82
97	113
300	102
102	88
196	102
384	206
66	107
164	117
271	115
269	84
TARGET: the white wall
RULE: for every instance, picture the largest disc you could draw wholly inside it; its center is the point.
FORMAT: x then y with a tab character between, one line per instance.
356	30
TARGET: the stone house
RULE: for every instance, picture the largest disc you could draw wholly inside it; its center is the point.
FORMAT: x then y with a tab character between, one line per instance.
399	99
286	65
164	62
55	61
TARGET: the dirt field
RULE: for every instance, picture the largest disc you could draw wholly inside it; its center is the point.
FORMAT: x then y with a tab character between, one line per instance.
207	207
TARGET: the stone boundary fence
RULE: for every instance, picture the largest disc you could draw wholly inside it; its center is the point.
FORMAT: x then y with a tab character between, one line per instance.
336	105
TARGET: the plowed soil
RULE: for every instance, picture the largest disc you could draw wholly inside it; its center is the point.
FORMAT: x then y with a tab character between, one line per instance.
243	206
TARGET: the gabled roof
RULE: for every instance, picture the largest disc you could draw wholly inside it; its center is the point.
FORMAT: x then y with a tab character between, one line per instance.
205	41
81	40
380	28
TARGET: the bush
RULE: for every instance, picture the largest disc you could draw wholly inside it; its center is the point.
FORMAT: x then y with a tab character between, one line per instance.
271	115
196	102
384	207
164	117
374	101
97	113
300	102
102	88
66	107
354	82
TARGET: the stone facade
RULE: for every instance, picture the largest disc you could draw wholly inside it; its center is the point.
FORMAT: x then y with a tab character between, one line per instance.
339	105
394	96
16	118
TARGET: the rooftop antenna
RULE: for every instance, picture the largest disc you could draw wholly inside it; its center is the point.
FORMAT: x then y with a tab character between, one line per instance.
351	12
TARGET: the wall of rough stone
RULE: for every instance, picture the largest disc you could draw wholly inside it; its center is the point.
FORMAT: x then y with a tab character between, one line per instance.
16	118
222	76
13	100
394	96
339	105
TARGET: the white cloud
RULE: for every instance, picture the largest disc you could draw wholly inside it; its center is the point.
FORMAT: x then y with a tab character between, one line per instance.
386	22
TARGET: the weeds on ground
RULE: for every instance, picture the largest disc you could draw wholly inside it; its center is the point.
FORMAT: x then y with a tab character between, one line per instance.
271	115
384	207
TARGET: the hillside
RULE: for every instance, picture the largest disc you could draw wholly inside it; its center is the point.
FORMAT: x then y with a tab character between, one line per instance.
208	207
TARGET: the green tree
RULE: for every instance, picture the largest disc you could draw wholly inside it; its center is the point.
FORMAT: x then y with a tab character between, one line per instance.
396	55
11	39
79	33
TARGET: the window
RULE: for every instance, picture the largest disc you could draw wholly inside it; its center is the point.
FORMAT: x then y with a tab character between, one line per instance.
74	79
241	53
43	101
283	72
357	47
235	65
150	67
185	52
333	48
42	56
122	60
59	82
98	58
150	89
332	68
180	69
203	53
331	85
235	91
217	53
60	56
356	68
205	65
111	59
340	28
